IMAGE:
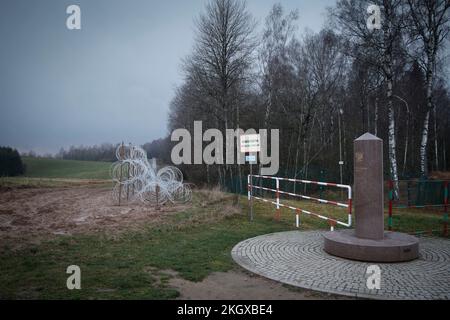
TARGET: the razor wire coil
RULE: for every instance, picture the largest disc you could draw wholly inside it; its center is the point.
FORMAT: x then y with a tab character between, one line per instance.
135	179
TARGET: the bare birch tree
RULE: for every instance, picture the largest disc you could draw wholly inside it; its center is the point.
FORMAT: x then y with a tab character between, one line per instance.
222	57
430	25
376	47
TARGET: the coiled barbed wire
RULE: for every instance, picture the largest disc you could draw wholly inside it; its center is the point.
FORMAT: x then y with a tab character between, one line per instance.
136	180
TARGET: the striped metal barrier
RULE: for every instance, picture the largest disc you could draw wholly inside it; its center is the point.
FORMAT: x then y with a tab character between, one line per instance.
332	222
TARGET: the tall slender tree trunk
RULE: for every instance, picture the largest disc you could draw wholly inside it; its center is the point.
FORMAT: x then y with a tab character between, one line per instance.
296	157
305	167
376	117
388	61
436	154
444	154
405	154
286	171
391	135
266	126
425	128
423	146
237	153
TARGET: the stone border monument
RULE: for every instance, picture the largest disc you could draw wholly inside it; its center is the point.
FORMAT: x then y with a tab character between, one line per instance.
368	241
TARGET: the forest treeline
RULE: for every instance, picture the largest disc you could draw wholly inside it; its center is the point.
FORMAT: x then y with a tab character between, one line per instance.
323	89
104	152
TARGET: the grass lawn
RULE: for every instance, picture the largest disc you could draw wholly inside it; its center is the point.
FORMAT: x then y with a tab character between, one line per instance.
69	169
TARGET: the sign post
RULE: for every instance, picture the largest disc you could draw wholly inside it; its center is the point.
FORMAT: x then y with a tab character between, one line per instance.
341	163
251	159
250	143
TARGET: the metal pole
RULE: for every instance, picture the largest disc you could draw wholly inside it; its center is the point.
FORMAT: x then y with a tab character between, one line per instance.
121	171
128	178
391	197
278	198
445	209
251	192
157	197
341	163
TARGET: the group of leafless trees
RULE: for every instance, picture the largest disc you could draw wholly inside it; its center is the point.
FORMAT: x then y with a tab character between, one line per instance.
323	89
102	152
105	152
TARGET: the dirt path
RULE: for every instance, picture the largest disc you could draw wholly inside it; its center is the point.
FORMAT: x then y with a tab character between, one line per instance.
241	285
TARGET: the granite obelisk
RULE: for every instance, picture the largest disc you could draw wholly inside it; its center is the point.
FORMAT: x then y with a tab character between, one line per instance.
368	241
368	186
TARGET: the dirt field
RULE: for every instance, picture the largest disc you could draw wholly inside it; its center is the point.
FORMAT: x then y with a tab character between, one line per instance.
32	214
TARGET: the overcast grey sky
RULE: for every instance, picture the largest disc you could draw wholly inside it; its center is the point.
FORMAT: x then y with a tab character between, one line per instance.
110	81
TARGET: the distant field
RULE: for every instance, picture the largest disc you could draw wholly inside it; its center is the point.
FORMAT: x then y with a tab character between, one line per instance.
69	169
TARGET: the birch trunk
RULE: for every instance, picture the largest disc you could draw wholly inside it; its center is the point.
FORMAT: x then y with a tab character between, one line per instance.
430	20
436	157
405	155
425	128
391	131
388	61
237	154
423	145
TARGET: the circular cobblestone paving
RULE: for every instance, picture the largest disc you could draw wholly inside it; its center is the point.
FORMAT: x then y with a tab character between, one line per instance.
297	258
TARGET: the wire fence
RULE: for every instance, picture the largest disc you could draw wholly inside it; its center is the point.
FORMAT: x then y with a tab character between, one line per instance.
432	195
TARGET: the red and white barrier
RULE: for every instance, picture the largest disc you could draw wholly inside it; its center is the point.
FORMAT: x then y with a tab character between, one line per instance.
298	211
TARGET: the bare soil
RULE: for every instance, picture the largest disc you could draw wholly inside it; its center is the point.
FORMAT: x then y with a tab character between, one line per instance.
32	214
241	285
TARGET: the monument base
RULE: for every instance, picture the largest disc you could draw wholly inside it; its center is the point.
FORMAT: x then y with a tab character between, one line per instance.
395	247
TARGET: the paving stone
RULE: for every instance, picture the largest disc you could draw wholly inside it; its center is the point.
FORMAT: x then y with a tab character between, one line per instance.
297	258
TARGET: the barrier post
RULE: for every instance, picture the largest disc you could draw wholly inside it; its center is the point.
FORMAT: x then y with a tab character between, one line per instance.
121	172
157	198
391	197
297	218
332	223
277	217
128	178
445	232
251	196
248	188
349	206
